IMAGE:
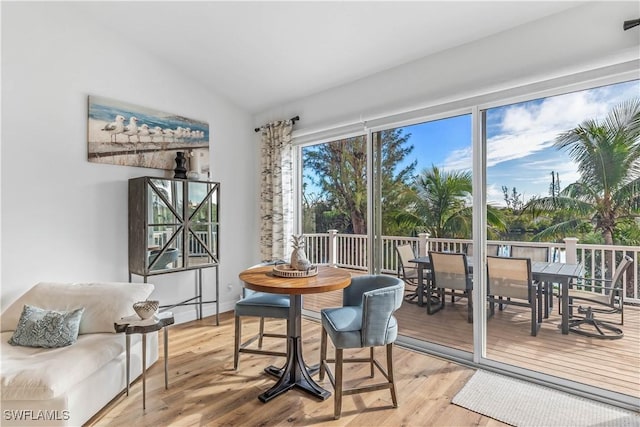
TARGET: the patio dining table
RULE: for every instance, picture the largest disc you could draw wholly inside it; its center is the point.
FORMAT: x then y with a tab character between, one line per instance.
552	272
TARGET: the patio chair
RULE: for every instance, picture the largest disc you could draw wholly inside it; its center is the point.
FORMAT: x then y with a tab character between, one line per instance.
450	271
534	253
537	253
365	320
262	305
492	249
408	271
605	296
511	278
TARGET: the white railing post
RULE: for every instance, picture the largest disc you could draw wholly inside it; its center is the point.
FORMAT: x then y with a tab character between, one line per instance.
333	247
422	243
571	250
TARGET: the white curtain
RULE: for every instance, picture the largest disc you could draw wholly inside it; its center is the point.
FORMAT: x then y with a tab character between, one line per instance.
276	195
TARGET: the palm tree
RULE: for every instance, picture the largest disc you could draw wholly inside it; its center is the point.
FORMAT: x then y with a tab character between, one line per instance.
443	204
608	158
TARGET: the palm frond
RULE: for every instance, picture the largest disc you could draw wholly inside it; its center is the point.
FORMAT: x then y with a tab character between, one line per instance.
561	229
546	205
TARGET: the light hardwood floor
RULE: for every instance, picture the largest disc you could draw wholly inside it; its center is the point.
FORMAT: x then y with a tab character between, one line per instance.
609	364
204	390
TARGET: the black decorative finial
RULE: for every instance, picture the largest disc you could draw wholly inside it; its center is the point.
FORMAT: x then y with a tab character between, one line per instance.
181	169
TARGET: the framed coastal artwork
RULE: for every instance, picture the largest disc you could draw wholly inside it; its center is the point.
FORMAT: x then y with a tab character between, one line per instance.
124	134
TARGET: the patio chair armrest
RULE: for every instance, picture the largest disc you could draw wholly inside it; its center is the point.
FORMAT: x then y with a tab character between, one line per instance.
590	282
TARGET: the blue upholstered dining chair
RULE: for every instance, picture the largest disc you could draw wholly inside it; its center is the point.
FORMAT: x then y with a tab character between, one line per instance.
262	305
169	256
365	320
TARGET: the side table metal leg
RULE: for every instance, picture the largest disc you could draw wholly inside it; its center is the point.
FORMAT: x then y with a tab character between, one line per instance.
128	351
144	370
217	296
199	280
166	358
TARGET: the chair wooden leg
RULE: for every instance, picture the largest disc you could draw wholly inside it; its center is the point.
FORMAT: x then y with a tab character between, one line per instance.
338	387
371	361
392	383
236	352
323	353
261	335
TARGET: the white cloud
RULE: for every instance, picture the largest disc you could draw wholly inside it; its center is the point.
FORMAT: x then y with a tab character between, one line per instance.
520	152
568	170
528	128
459	160
495	196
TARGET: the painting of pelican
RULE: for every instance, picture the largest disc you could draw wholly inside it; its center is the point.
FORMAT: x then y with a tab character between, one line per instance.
125	134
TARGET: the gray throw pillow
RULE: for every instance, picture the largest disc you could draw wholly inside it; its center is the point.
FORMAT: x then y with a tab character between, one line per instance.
46	328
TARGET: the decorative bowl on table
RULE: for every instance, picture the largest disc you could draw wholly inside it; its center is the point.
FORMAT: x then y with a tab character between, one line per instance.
146	309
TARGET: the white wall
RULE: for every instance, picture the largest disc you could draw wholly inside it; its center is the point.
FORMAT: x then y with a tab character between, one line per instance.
65	219
580	39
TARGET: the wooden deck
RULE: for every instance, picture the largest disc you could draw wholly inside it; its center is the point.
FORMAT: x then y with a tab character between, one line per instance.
610	364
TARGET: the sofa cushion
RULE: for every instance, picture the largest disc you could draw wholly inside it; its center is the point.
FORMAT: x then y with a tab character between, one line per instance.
46	328
32	373
103	303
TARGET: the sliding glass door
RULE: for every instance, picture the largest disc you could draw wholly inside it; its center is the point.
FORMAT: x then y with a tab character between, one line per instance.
417	184
425	191
563	173
335	208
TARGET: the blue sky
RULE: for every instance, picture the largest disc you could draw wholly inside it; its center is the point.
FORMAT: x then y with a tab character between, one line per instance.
519	139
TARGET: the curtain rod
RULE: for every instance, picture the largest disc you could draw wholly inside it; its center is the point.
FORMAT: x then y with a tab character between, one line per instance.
293	119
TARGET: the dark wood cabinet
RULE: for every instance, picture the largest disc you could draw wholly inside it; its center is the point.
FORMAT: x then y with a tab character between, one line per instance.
174	226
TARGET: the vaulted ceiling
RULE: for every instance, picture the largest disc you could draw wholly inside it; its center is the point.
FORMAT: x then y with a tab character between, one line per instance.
262	54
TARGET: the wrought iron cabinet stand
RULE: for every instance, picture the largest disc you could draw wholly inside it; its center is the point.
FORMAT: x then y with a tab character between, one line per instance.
173	226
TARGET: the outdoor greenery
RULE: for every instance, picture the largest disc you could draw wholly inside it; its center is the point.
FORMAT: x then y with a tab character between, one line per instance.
603	206
339	171
606	198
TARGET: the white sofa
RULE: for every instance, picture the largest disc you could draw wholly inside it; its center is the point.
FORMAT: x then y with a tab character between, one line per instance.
68	385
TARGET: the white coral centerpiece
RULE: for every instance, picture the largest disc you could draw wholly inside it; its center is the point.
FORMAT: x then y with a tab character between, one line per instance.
299	259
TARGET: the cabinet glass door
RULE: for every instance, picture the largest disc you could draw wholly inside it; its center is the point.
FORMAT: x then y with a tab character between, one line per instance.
164	232
202	214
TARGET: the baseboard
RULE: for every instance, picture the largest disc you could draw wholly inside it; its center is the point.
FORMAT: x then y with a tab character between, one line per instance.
188	313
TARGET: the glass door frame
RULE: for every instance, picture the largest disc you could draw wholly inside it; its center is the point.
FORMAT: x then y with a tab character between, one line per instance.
477	106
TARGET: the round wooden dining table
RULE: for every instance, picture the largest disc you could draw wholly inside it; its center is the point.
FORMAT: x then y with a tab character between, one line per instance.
295	373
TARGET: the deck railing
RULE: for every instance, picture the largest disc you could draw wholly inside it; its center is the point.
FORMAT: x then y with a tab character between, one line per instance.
350	251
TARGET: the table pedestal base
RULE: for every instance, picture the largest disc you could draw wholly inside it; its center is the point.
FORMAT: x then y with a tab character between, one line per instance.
294	374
